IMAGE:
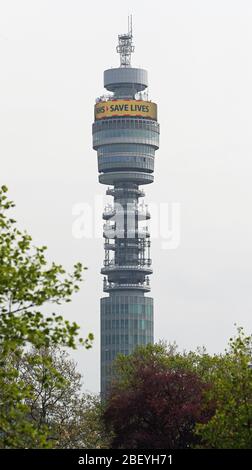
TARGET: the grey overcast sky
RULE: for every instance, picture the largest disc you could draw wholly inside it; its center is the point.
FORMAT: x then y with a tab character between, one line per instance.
198	54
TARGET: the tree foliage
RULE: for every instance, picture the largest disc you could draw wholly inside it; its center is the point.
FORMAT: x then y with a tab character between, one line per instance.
231	425
28	286
56	402
158	409
28	282
230	392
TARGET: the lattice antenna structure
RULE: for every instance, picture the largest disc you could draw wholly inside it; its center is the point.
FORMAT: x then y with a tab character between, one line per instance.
125	46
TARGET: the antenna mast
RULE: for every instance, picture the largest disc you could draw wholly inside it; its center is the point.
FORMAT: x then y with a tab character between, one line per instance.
125	46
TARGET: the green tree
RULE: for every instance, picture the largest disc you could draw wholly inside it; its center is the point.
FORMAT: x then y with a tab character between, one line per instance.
56	401
231	426
16	429
230	376
165	356
28	284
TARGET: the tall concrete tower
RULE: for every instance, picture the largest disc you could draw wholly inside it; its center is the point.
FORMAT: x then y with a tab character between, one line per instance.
125	136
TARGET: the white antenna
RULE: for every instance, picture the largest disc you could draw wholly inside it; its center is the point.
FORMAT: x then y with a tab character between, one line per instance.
125	46
130	25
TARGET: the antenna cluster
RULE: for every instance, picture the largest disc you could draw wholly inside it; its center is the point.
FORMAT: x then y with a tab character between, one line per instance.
125	46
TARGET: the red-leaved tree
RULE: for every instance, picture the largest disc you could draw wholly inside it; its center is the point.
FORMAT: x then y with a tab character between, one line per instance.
159	411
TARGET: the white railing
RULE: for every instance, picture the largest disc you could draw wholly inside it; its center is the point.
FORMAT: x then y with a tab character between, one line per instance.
111	265
113	285
105	97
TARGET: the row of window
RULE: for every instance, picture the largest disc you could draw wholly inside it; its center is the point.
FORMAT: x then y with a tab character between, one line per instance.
125	159
126	339
124	156
123	123
127	324
133	310
127	299
126	135
110	355
126	148
107	163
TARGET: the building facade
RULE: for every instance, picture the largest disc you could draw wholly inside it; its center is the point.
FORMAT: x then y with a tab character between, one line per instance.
125	136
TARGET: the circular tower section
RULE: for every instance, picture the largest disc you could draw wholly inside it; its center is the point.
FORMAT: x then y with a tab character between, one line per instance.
125	131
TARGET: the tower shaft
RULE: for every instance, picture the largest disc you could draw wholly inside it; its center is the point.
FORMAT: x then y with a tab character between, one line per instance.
125	136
